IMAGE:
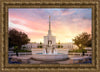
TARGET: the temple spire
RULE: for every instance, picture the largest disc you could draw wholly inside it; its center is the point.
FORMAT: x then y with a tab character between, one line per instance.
49	23
49	31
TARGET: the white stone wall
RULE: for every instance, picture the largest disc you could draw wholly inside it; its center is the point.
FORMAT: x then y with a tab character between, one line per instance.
69	46
62	50
52	38
37	50
29	46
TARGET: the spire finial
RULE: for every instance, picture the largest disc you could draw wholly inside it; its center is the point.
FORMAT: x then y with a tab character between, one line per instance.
49	31
49	23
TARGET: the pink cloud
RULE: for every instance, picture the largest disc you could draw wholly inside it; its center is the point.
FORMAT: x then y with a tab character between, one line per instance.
28	25
36	28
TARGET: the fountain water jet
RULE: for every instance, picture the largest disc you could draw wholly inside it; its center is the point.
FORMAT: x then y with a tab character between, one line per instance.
50	49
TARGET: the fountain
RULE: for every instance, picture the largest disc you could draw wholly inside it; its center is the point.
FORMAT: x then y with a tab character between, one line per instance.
49	54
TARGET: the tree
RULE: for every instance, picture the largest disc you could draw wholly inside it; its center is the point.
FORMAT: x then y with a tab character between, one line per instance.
59	45
40	45
83	40
17	38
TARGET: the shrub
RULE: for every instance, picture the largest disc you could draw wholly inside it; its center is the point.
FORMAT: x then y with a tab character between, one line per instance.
24	51
79	50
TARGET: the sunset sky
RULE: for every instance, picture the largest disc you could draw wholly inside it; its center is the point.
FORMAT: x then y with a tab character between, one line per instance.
65	23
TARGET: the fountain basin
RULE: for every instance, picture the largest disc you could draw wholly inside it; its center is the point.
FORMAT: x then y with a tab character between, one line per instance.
49	57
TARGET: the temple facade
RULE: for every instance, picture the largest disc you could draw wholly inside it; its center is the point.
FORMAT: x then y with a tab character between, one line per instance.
49	37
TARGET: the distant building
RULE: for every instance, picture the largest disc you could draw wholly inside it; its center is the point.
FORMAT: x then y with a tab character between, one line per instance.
69	46
29	46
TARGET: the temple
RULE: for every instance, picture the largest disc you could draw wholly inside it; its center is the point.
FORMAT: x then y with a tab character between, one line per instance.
49	37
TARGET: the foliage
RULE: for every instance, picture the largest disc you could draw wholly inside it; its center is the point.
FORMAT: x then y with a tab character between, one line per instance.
40	43
39	46
79	50
15	48
59	46
23	51
17	38
24	47
83	40
59	42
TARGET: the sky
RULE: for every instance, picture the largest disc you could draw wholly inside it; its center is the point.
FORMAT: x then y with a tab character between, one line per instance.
66	23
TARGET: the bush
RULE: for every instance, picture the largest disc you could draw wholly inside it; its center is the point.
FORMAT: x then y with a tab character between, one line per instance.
79	50
39	46
15	48
24	51
60	46
24	47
